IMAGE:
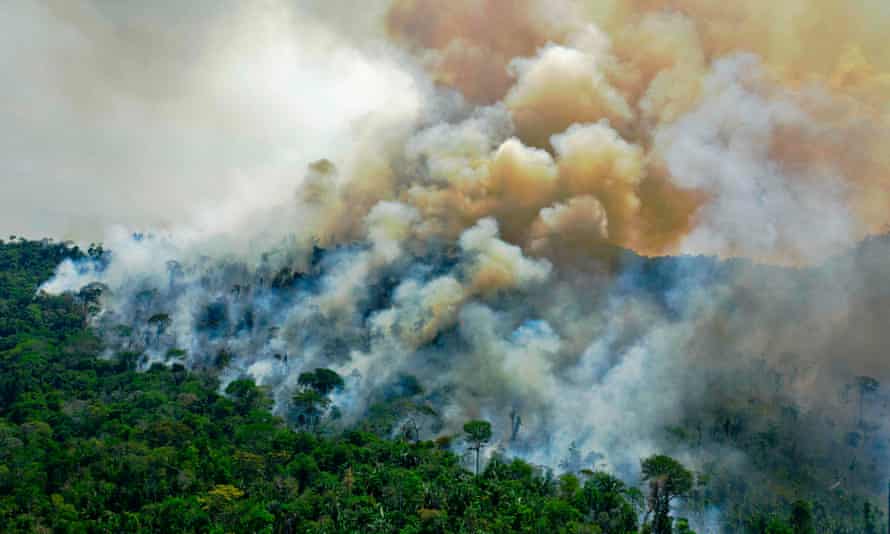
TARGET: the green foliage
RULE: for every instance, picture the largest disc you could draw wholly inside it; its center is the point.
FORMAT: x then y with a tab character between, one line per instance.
24	265
247	396
477	435
791	453
609	503
676	479
310	403
802	518
324	381
309	406
90	445
668	479
478	432
869	519
87	444
682	527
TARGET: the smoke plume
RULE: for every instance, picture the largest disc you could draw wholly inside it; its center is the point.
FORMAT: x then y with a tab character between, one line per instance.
476	194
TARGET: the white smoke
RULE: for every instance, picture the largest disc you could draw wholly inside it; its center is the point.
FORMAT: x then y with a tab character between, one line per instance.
476	249
760	207
166	114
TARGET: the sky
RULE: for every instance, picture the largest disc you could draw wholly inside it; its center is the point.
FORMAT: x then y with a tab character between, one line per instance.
142	113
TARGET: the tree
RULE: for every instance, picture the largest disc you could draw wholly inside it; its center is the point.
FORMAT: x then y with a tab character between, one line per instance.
89	444
668	479
311	400
777	525
683	526
606	500
870	523
417	416
515	424
867	385
160	322
88	297
310	405
477	435
802	518
572	462
247	396
321	380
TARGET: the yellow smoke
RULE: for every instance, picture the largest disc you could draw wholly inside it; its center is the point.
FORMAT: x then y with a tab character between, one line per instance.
468	44
588	86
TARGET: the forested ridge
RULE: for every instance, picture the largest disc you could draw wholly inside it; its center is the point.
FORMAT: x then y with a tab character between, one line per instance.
88	443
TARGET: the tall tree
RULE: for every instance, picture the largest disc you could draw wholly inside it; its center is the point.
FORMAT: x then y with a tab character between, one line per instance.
311	401
310	405
802	518
869	519
867	385
668	479
321	380
247	396
608	503
477	434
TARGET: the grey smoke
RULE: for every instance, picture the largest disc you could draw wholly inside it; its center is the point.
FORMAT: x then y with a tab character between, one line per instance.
199	135
148	113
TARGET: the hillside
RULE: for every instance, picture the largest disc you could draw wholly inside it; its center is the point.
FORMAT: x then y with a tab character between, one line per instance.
475	266
93	445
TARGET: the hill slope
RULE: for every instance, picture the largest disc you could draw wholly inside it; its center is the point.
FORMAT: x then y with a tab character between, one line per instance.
91	444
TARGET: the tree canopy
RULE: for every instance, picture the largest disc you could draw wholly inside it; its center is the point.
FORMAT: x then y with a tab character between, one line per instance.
88	444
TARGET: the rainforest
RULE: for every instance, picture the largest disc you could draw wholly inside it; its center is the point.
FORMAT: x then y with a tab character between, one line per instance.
606	266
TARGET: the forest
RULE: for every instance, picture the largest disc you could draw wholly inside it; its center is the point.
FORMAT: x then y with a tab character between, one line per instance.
90	442
466	266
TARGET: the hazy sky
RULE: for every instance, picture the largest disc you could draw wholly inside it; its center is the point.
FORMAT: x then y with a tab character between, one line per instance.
138	112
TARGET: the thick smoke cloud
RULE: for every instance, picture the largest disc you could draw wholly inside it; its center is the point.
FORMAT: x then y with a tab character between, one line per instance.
466	195
761	205
150	114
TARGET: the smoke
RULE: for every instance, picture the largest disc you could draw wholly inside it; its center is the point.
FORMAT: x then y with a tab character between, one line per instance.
565	85
468	44
157	115
761	205
473	194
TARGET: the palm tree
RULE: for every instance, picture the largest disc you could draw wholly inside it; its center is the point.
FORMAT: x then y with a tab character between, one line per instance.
477	435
